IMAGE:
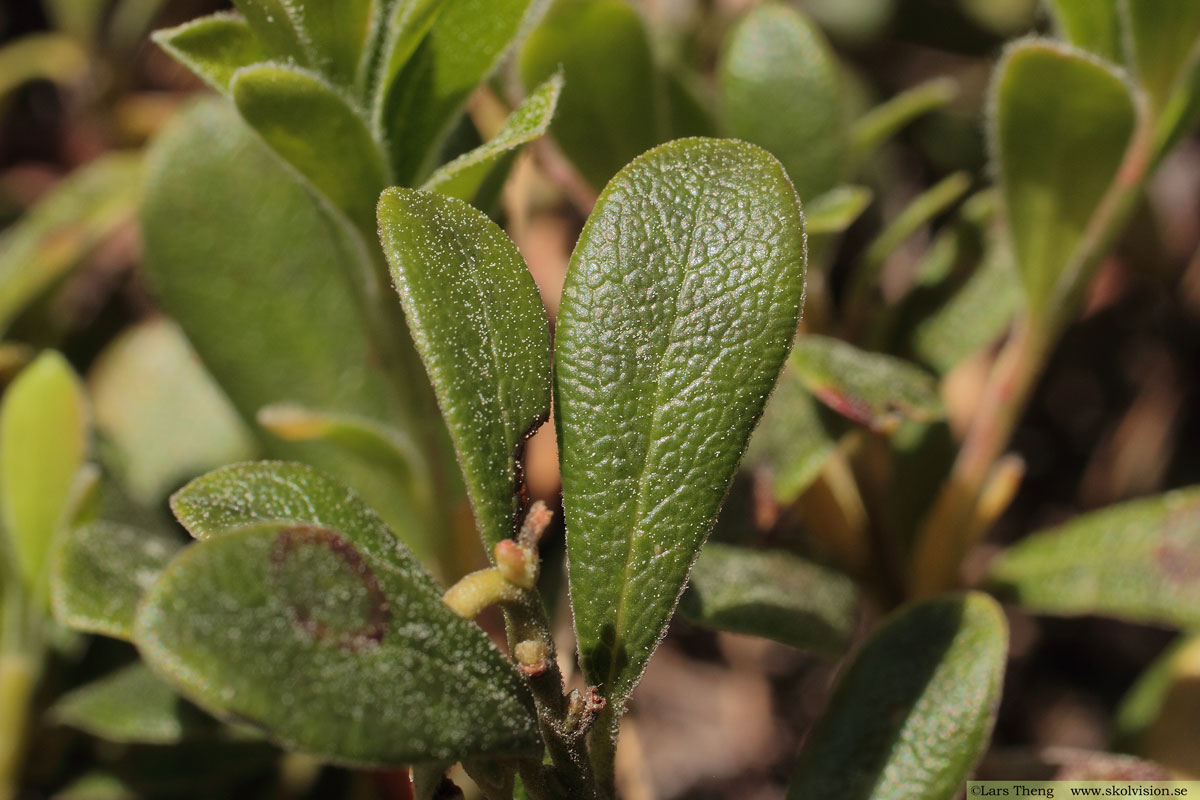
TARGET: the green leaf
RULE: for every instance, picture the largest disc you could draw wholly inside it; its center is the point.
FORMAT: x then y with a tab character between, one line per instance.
274	23
1136	561
680	304
795	438
64	227
313	128
213	47
774	594
426	98
1093	25
1164	41
612	108
235	245
337	33
914	711
972	318
479	324
44	432
1143	703
394	37
160	413
132	706
463	177
99	573
917	214
779	85
1061	123
836	210
870	131
355	660
872	389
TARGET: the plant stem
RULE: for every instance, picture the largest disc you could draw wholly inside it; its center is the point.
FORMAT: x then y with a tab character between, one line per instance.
571	776
944	536
18	678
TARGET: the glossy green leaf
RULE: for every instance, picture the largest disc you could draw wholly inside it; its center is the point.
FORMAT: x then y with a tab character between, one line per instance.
464	176
99	573
336	33
1164	42
68	223
836	210
680	304
313	128
870	131
355	660
133	706
213	47
44	433
780	88
479	324
795	438
972	318
235	244
773	594
1093	25
612	107
914	711
872	389
425	99
1137	561
162	418
1061	123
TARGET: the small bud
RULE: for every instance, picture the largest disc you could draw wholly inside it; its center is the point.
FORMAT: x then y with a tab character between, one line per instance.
518	565
582	710
533	656
536	521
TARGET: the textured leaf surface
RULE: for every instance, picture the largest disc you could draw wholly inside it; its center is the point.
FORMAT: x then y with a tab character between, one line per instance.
1093	25
213	47
100	572
611	109
1138	561
796	437
68	223
914	711
478	322
464	44
774	594
779	84
162	417
463	177
1060	127
680	304
44	434
247	262
355	658
132	705
869	388
313	128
